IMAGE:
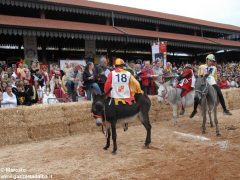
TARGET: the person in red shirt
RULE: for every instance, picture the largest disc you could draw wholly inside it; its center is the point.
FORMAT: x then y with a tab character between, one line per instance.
147	78
224	84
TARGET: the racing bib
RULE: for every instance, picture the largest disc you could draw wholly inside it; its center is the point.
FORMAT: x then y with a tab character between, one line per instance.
120	84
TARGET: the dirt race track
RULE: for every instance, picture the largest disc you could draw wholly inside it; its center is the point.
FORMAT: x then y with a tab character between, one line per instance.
173	153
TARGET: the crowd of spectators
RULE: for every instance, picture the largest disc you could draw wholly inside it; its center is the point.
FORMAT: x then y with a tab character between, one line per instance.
29	85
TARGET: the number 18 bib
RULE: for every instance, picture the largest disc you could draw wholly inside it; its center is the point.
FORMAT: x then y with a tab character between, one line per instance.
120	84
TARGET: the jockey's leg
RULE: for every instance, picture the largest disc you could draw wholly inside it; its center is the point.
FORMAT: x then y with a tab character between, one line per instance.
182	110
221	99
195	108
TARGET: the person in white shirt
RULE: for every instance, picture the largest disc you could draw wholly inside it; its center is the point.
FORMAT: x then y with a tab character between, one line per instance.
209	71
9	99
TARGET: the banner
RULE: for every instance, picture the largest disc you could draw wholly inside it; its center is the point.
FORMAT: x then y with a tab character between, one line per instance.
64	63
159	52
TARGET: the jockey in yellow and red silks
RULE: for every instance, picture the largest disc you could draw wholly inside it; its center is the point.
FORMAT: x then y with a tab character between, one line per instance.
123	84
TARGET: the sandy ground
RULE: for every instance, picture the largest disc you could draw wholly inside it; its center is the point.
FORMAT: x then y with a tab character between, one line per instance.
173	154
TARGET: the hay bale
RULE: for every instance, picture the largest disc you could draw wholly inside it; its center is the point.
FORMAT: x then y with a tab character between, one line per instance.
77	112
81	127
42	115
3	138
13	117
16	135
48	131
1	118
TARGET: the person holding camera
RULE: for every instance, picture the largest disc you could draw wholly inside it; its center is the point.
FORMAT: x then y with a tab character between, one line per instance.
89	81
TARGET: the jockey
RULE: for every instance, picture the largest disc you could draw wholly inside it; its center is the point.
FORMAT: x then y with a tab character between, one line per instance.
186	80
210	72
124	85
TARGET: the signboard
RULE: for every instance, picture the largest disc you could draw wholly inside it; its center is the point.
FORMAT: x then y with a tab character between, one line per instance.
159	52
63	63
30	48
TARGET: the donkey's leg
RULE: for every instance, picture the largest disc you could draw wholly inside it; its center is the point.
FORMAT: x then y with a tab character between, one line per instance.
114	137
175	108
108	139
204	116
210	118
216	122
144	117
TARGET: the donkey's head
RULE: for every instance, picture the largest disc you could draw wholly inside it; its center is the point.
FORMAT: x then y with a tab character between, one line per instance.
201	88
98	108
163	89
162	92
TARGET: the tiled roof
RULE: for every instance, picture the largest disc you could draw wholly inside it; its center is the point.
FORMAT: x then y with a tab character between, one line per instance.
33	23
110	7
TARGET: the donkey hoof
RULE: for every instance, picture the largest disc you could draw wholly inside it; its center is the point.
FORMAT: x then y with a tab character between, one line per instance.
114	152
146	146
106	148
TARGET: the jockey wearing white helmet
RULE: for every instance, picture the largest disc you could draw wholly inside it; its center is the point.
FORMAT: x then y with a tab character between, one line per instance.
209	71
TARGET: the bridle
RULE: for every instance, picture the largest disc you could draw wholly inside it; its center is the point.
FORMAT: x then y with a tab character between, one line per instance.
204	91
164	93
104	124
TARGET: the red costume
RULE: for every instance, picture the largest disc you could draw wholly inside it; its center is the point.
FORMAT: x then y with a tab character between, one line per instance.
223	84
185	82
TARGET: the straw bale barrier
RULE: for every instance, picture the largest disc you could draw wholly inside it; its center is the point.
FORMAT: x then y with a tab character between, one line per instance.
26	124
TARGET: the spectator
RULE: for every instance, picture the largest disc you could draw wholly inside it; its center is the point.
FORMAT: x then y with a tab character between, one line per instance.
36	89
48	91
64	81
21	95
132	68
102	71
89	81
74	78
28	90
233	83
5	77
45	74
237	82
168	73
58	88
224	84
103	67
146	76
138	73
28	76
158	71
9	99
21	71
3	86
34	68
